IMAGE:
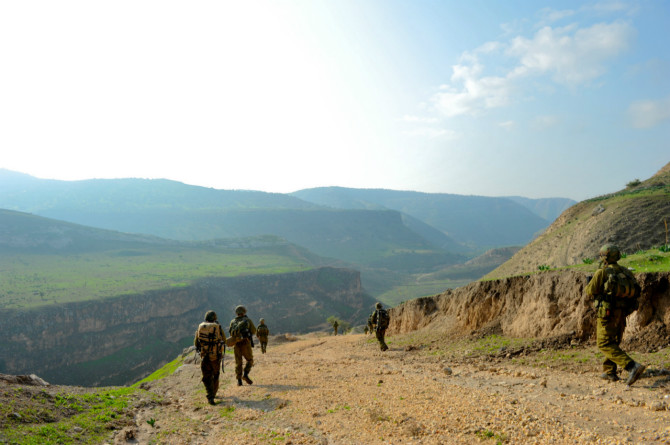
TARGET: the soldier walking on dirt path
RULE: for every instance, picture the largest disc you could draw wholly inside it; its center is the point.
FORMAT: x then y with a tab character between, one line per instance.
380	321
615	291
262	332
208	342
335	325
241	331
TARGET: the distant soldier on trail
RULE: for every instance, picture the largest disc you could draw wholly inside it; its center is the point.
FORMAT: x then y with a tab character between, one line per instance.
367	329
370	326
335	325
241	331
262	332
380	320
615	291
208	342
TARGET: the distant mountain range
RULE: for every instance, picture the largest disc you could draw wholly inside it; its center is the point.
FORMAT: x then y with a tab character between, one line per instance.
388	235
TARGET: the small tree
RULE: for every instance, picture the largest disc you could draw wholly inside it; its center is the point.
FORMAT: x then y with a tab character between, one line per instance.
634	183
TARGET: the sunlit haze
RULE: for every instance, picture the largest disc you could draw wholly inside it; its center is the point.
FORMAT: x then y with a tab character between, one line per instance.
495	98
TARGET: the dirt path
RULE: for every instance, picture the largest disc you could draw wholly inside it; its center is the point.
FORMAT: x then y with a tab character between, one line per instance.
342	390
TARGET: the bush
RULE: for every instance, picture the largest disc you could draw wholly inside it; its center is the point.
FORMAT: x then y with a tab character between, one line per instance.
664	248
634	183
587	260
544	267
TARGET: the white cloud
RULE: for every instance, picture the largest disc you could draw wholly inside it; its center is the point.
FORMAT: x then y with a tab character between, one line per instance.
507	125
475	93
572	56
550	15
649	113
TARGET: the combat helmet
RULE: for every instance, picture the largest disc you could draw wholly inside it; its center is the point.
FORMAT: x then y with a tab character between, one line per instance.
378	305
610	253
210	316
240	310
261	321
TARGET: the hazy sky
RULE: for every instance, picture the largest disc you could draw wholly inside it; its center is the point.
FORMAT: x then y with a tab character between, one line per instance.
494	98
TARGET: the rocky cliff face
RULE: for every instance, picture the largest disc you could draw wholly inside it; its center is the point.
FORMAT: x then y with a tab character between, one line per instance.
119	340
542	306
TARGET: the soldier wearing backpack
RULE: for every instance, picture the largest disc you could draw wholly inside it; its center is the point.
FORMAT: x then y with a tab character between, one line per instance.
262	332
209	343
241	331
380	321
615	291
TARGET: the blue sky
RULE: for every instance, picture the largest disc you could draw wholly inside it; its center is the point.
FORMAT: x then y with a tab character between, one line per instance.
493	98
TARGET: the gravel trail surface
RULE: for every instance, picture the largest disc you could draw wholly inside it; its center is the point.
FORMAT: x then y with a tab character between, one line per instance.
343	390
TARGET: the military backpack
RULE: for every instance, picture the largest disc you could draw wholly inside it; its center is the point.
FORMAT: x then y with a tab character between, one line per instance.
383	319
240	328
210	338
620	283
262	331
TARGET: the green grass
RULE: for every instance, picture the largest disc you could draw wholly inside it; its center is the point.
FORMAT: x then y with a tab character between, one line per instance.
37	280
652	260
162	372
71	418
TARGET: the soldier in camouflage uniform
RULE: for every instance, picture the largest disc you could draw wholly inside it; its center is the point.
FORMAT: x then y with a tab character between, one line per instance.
262	332
242	330
335	325
208	342
612	310
380	320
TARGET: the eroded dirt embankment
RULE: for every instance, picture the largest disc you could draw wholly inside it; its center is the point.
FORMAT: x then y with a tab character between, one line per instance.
545	305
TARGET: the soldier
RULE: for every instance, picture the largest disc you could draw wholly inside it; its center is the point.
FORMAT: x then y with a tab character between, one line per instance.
335	325
380	320
241	331
615	291
209	343
262	333
367	329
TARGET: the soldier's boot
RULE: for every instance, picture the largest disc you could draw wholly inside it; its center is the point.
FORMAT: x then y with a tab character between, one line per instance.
239	382
246	378
609	377
211	401
635	373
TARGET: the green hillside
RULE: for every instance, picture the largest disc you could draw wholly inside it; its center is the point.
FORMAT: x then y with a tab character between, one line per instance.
44	261
636	219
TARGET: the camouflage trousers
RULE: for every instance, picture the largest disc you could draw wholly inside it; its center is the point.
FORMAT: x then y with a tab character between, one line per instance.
609	332
264	344
244	351
210	375
380	333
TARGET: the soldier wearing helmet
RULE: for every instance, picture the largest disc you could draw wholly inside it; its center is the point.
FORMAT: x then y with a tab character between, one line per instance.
379	321
241	331
208	342
615	291
262	332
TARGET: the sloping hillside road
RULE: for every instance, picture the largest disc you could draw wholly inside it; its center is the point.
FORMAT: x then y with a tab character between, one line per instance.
343	390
